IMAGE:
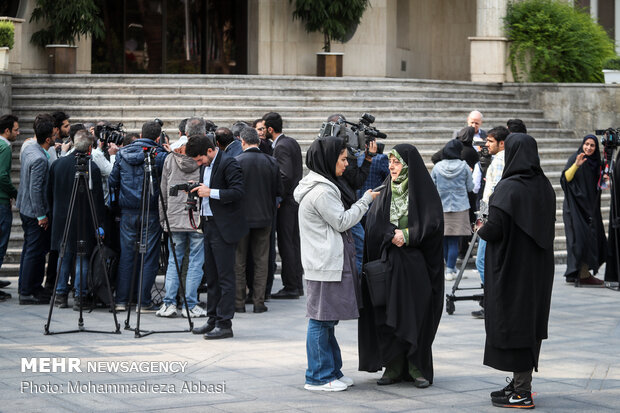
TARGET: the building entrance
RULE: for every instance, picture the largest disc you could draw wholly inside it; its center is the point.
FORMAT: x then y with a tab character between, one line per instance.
172	36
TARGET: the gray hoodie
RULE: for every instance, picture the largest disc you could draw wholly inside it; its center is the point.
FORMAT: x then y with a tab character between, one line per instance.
178	169
321	220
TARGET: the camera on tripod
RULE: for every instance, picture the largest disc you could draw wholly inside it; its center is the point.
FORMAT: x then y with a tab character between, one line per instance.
110	134
191	204
610	139
358	136
81	161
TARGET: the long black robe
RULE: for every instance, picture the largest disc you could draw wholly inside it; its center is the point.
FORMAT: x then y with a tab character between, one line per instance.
519	262
613	251
409	321
583	222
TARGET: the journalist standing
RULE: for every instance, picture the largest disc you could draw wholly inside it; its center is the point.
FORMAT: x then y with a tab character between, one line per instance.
126	179
586	244
328	258
223	225
61	181
181	169
453	180
9	131
519	268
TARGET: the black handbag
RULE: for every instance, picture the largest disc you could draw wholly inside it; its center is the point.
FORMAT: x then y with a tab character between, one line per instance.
376	273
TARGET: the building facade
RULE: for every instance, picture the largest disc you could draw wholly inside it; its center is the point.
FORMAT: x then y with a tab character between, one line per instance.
432	39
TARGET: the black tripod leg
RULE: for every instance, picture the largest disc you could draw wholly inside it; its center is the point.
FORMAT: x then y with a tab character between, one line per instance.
63	247
472	243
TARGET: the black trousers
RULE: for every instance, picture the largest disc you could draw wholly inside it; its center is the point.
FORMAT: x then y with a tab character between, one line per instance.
220	274
288	245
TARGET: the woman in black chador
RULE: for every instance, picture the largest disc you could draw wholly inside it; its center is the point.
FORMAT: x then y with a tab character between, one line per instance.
407	220
611	269
586	245
519	266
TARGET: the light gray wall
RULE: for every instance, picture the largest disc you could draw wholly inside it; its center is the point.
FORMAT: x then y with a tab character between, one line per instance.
5	93
581	107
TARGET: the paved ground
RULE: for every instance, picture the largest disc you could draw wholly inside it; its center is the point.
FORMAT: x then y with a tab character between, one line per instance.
262	368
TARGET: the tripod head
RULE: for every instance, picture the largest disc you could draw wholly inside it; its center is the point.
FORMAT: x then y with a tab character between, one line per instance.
82	160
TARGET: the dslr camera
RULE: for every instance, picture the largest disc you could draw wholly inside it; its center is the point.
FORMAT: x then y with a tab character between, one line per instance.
191	204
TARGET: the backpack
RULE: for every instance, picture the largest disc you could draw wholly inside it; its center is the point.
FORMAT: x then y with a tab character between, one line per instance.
96	274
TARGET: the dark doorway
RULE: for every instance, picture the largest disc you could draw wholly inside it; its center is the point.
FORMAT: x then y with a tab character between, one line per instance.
172	36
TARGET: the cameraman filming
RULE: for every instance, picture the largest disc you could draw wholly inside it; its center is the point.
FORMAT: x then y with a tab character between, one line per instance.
61	181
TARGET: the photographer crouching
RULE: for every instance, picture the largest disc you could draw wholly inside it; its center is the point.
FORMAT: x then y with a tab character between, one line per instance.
61	181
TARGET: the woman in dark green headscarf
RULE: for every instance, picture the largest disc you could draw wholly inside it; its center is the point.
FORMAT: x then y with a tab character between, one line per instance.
406	220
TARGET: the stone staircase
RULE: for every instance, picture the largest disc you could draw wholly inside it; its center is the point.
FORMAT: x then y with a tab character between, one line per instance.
421	112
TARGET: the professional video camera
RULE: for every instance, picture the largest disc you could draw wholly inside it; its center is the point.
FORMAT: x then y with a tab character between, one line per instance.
110	134
357	136
610	139
192	197
163	136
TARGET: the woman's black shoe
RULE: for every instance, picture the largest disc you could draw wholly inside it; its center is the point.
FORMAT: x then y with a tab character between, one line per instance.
421	383
386	381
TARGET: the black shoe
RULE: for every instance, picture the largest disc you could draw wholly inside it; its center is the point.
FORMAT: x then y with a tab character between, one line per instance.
205	328
506	391
521	400
61	301
239	309
386	381
260	308
33	299
284	294
421	383
218	333
4	284
4	296
85	304
478	314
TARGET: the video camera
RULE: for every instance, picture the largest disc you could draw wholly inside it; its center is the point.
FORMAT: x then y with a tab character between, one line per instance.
81	161
163	136
110	134
192	197
610	139
357	136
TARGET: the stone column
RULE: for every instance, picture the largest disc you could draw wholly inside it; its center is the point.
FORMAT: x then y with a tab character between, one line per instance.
488	61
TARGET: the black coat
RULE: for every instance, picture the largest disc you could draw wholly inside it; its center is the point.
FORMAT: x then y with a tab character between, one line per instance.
408	323
583	222
228	211
613	251
60	185
519	262
262	182
288	154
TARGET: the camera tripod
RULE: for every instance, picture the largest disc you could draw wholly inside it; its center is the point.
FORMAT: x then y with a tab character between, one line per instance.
148	189
614	219
82	183
451	298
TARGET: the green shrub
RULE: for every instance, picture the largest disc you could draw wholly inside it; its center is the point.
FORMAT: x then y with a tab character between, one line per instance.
66	20
7	34
554	42
612	64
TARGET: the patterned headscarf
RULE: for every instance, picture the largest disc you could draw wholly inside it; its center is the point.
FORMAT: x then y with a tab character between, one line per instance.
399	206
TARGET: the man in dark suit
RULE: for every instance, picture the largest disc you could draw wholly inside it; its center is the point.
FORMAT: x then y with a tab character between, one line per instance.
288	154
261	176
223	225
227	142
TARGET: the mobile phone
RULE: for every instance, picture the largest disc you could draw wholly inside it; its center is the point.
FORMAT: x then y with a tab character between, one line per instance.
377	189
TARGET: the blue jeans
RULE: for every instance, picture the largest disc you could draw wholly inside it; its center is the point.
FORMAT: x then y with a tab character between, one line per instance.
129	231
482	247
450	251
324	360
65	271
32	264
194	267
6	220
358	236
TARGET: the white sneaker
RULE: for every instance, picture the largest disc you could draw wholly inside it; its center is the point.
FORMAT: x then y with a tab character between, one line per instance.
194	312
167	310
450	276
347	380
335	385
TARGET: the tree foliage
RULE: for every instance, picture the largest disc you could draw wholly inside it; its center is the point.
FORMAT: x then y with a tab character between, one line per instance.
7	34
333	18
67	21
551	41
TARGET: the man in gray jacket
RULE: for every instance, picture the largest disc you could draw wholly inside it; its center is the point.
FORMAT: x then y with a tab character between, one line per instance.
33	210
180	169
